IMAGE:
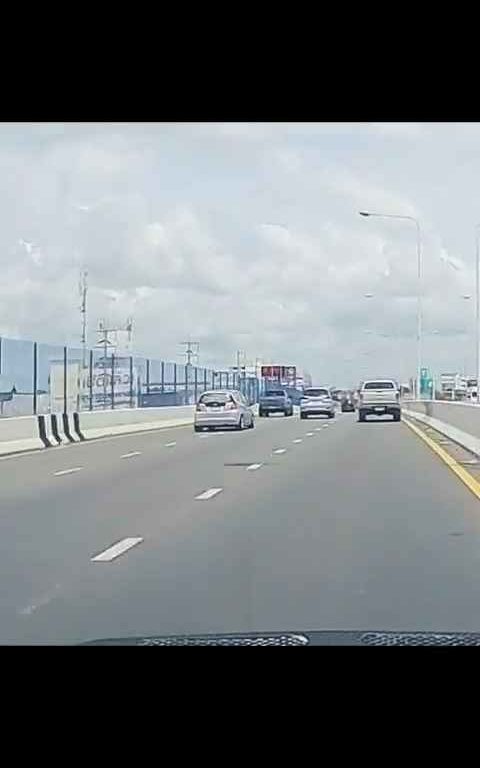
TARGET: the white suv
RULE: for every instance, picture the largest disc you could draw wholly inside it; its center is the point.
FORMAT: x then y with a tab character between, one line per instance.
317	401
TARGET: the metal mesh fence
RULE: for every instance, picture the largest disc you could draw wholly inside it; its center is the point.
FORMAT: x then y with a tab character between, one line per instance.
38	378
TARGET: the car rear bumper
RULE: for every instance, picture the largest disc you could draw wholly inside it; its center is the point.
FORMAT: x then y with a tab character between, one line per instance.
223	419
273	408
317	411
380	410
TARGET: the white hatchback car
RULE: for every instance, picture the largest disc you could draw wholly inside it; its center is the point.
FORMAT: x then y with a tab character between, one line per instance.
223	408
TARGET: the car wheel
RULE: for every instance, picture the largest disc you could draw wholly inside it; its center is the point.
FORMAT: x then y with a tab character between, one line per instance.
396	417
303	415
361	416
241	424
260	413
252	423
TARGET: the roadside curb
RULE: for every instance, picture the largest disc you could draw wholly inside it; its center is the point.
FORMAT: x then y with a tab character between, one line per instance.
464	439
466	478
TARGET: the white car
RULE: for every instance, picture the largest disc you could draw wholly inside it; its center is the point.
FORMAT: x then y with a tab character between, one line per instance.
223	408
317	401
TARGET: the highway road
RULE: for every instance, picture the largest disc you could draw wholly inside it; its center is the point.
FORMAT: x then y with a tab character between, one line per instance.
300	525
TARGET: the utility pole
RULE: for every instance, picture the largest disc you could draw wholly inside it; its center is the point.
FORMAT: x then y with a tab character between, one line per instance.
190	352
104	341
129	330
239	353
83	289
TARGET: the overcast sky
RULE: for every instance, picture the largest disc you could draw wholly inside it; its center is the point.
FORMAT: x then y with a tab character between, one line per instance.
245	236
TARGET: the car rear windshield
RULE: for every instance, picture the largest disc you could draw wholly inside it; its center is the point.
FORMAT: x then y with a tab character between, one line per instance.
275	393
317	393
219	398
379	385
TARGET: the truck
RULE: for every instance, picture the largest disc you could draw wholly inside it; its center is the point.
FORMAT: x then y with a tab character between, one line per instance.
379	397
453	386
472	388
275	401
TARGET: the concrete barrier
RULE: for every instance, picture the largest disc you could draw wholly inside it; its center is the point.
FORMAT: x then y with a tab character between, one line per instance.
95	424
30	432
21	433
458	421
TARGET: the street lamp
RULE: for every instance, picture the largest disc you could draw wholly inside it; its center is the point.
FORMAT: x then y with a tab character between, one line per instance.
419	275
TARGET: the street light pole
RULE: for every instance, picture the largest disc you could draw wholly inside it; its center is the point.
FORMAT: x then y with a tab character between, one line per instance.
419	276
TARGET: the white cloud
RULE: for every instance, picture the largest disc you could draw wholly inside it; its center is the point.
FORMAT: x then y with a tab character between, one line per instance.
242	234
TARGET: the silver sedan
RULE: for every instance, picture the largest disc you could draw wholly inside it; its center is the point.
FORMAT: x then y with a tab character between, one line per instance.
223	408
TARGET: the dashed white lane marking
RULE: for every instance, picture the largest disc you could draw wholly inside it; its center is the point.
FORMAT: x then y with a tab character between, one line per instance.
203	436
130	455
252	467
317	429
309	434
116	550
209	494
170	445
280	450
298	440
68	471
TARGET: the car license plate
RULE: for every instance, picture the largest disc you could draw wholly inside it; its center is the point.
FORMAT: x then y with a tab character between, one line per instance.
379	410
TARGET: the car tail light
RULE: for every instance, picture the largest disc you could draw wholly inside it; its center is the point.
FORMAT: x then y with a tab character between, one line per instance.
230	406
201	407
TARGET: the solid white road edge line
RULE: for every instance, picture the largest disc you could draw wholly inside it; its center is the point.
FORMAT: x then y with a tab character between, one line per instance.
116	550
252	467
209	494
130	455
67	471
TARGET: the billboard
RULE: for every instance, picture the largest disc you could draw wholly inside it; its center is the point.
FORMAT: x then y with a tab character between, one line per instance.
78	385
124	384
279	372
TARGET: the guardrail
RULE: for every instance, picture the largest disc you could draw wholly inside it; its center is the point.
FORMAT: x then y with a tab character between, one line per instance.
458	421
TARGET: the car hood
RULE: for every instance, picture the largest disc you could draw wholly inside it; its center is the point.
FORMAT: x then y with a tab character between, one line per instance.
301	638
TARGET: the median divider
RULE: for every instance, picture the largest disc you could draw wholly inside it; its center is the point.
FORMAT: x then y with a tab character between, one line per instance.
95	424
24	433
27	433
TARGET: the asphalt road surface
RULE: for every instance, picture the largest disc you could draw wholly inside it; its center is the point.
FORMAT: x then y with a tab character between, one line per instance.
318	525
